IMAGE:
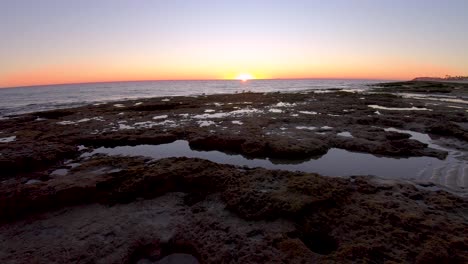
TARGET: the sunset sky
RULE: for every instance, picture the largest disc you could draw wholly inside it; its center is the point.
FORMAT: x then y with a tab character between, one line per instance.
65	41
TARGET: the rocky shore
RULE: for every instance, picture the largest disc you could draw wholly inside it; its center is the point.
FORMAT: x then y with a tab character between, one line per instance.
60	204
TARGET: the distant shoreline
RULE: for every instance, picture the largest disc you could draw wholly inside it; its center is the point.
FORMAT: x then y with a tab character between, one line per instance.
446	80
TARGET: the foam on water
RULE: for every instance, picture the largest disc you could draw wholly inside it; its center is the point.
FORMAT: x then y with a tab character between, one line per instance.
399	108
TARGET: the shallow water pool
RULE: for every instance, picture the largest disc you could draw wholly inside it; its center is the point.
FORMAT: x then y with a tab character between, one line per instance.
336	162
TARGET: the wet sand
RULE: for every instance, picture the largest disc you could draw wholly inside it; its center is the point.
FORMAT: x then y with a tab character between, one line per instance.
59	202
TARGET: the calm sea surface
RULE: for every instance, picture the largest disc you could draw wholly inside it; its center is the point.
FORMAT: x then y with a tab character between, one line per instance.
39	98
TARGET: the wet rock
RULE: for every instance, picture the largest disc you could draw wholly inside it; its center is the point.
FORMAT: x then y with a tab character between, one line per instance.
322	218
295	149
254	147
54	114
124	138
25	158
217	142
449	129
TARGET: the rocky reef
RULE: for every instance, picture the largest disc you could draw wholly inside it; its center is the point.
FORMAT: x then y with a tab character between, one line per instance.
58	204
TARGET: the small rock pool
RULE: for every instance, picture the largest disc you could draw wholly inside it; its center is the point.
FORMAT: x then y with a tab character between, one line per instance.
450	172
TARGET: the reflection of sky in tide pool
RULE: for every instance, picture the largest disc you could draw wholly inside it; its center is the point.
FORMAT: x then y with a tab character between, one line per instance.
337	162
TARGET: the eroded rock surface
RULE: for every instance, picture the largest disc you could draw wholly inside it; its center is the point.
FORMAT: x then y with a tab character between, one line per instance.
114	210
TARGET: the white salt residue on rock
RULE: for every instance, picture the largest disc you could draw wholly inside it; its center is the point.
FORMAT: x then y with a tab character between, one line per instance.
7	139
96	118
139	103
207	116
160	117
226	114
166	100
345	134
308	112
245	111
450	99
209	111
147	124
67	122
275	110
235	122
232	113
282	104
123	127
119	105
453	100
399	108
150	124
306	127
169	123
454	106
205	123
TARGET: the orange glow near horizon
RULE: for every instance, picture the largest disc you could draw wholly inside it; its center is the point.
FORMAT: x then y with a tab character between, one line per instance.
139	70
100	73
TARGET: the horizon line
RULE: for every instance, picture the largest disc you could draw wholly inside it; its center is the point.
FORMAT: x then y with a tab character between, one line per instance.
169	80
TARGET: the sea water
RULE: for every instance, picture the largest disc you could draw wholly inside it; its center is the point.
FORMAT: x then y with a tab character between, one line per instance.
39	98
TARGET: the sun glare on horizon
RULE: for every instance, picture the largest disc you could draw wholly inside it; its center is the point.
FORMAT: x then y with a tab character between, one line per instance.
244	77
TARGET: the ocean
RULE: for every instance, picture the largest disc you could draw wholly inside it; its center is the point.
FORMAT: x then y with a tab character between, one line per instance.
22	100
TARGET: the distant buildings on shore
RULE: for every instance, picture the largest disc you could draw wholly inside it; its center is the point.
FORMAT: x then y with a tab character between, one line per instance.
447	78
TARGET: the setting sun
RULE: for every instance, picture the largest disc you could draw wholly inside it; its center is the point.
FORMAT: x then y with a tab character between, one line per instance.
244	77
